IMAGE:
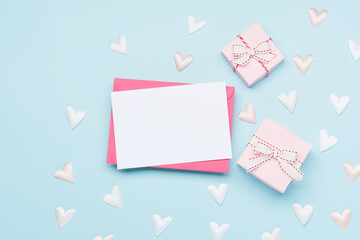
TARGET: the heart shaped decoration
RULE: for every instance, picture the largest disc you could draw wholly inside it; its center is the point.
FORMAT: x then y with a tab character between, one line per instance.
303	64
217	232
303	214
120	45
352	172
248	116
114	199
108	237
67	174
339	103
355	49
74	118
326	142
182	62
159	225
63	217
274	236
193	25
317	17
289	101
342	220
218	193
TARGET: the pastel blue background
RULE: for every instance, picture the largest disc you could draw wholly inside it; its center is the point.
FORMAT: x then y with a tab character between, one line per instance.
56	54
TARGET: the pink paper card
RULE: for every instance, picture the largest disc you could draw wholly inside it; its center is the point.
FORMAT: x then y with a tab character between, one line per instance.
256	66
285	147
221	165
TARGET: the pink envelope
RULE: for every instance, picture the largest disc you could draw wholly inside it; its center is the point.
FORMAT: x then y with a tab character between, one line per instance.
121	84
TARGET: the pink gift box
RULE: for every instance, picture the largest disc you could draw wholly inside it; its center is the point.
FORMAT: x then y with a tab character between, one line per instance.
256	68
271	134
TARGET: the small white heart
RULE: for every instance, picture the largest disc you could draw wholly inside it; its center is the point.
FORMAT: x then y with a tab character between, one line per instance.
108	237
249	115
114	199
352	172
339	103
342	220
289	101
67	174
218	193
217	232
303	64
74	118
274	236
120	45
316	18
193	25
182	62
159	225
355	49
303	214
326	142
63	217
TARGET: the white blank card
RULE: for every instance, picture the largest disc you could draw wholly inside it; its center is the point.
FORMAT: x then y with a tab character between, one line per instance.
169	125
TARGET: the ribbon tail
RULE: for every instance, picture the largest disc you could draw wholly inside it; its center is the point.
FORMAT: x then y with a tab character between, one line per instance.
291	171
256	162
242	60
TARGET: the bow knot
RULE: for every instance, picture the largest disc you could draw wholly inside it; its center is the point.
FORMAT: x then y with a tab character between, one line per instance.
264	151
243	53
251	52
276	153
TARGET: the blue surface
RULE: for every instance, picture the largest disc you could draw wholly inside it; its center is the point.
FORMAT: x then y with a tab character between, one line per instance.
56	54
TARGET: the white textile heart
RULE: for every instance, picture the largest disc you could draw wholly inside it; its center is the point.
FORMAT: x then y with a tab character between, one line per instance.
355	49
74	118
326	142
114	199
217	232
290	100
193	25
63	217
218	193
274	236
67	174
339	103
120	45
159	225
108	237
303	214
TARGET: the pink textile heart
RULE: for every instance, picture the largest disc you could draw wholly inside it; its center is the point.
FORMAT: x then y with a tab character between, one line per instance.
303	64
317	17
182	62
342	220
353	172
248	116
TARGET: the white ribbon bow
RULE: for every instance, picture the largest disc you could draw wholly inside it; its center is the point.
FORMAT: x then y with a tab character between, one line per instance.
265	151
262	53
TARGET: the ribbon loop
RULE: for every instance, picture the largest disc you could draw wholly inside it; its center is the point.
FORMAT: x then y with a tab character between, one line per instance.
265	151
243	53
